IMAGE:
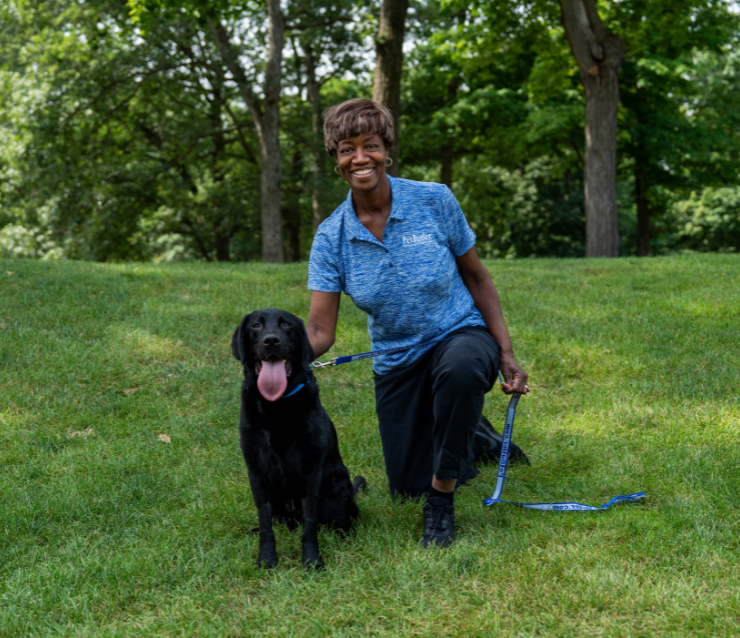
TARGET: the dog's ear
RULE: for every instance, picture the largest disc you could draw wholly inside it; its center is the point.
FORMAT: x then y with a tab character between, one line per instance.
307	353
238	347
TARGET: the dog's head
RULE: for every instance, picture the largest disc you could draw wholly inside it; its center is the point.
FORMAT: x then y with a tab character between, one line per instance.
274	345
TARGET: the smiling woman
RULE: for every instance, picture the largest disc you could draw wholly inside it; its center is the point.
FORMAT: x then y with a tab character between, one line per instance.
405	254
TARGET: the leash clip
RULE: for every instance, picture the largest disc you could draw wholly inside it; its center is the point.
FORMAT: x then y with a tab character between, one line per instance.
319	364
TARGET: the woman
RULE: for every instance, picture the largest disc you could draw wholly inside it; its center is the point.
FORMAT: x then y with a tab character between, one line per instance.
404	253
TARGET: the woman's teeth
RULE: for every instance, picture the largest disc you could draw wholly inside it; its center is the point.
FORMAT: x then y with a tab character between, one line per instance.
364	171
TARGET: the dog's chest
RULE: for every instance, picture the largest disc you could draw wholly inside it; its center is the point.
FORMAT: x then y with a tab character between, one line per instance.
280	458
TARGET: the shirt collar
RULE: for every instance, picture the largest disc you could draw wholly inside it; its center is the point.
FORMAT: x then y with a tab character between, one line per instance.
355	227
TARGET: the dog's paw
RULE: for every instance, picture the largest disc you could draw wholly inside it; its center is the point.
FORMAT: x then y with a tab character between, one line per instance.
267	560
359	484
314	565
311	558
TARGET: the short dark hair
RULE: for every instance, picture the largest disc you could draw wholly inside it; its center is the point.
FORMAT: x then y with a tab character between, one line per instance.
355	117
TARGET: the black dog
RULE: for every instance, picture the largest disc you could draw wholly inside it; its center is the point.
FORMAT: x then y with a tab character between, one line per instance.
287	438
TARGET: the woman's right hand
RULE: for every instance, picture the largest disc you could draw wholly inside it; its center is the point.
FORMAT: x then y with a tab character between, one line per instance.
321	326
515	377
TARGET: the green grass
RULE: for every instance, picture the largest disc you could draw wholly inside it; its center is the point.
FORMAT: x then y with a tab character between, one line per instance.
107	531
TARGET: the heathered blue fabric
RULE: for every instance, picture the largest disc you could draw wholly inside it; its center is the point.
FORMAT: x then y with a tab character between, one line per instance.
409	284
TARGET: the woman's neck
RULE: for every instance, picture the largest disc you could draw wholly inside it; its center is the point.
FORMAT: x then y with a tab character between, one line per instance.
375	201
373	207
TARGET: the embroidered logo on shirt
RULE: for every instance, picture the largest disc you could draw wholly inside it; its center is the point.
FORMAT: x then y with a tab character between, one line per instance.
418	239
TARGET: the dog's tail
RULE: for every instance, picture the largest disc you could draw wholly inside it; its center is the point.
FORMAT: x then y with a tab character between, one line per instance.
358	484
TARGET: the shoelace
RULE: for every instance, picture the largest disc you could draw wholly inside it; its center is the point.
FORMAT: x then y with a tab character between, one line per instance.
439	517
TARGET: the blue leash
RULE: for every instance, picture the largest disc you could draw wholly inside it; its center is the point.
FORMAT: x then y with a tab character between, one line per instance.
368	355
505	444
543	507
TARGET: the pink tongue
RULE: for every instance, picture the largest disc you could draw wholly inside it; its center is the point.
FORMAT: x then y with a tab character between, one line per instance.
272	380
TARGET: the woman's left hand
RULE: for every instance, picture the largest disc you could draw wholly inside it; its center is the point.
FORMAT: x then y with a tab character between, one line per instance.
515	377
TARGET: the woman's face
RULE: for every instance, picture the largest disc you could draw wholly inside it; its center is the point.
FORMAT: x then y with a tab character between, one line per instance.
361	160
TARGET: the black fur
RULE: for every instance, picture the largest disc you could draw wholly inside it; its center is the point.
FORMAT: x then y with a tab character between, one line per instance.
290	445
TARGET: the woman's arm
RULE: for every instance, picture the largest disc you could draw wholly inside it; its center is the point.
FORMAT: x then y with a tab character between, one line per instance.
478	281
322	320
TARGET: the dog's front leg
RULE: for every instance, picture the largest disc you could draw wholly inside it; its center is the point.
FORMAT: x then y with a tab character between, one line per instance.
310	538
268	552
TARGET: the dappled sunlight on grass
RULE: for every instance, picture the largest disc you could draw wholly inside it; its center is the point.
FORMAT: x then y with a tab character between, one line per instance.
144	347
107	529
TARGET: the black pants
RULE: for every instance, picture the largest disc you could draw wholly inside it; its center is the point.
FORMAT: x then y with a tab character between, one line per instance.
429	412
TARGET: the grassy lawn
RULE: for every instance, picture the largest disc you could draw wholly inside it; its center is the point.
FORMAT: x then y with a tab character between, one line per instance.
107	530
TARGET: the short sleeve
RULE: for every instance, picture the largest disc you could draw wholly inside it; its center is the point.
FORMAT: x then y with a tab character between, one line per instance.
324	273
460	236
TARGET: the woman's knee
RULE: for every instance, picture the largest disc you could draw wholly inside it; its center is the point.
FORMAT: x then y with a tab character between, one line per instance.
464	375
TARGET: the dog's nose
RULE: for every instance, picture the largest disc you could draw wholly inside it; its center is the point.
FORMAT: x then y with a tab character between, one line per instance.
271	340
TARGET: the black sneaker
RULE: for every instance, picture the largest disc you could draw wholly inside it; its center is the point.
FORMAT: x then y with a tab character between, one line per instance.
487	445
439	522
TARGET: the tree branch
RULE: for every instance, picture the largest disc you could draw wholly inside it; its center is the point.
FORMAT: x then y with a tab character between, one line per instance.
223	43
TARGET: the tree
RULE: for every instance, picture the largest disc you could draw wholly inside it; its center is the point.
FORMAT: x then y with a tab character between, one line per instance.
389	66
266	116
265	111
599	54
668	144
133	139
324	33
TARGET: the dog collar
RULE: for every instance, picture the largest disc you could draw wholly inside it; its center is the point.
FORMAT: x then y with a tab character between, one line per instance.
297	389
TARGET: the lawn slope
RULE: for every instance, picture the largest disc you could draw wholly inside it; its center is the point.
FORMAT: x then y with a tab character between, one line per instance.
124	502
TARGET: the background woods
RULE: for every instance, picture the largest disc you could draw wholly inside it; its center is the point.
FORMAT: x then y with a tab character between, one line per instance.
192	130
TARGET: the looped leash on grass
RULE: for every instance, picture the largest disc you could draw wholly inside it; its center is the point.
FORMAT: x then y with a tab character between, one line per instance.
505	444
544	507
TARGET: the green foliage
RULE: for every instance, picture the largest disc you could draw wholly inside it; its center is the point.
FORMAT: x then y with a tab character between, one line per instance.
710	222
126	139
522	213
135	136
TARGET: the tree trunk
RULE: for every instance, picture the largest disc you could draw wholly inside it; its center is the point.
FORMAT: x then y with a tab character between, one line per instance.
266	116
599	54
389	65
221	241
291	212
643	216
448	155
318	212
272	241
221	234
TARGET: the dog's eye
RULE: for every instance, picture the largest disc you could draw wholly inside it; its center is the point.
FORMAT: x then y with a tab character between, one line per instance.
256	324
285	324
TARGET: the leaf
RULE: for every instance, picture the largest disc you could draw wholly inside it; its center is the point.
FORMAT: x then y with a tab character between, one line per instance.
10	272
83	434
130	391
165	438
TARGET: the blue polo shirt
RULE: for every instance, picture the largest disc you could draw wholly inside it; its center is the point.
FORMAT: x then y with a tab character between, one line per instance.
408	284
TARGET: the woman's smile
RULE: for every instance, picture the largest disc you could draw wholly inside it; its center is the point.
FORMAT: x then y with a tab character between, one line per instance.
362	172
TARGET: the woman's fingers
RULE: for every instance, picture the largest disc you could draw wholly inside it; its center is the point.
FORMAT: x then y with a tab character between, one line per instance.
517	383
